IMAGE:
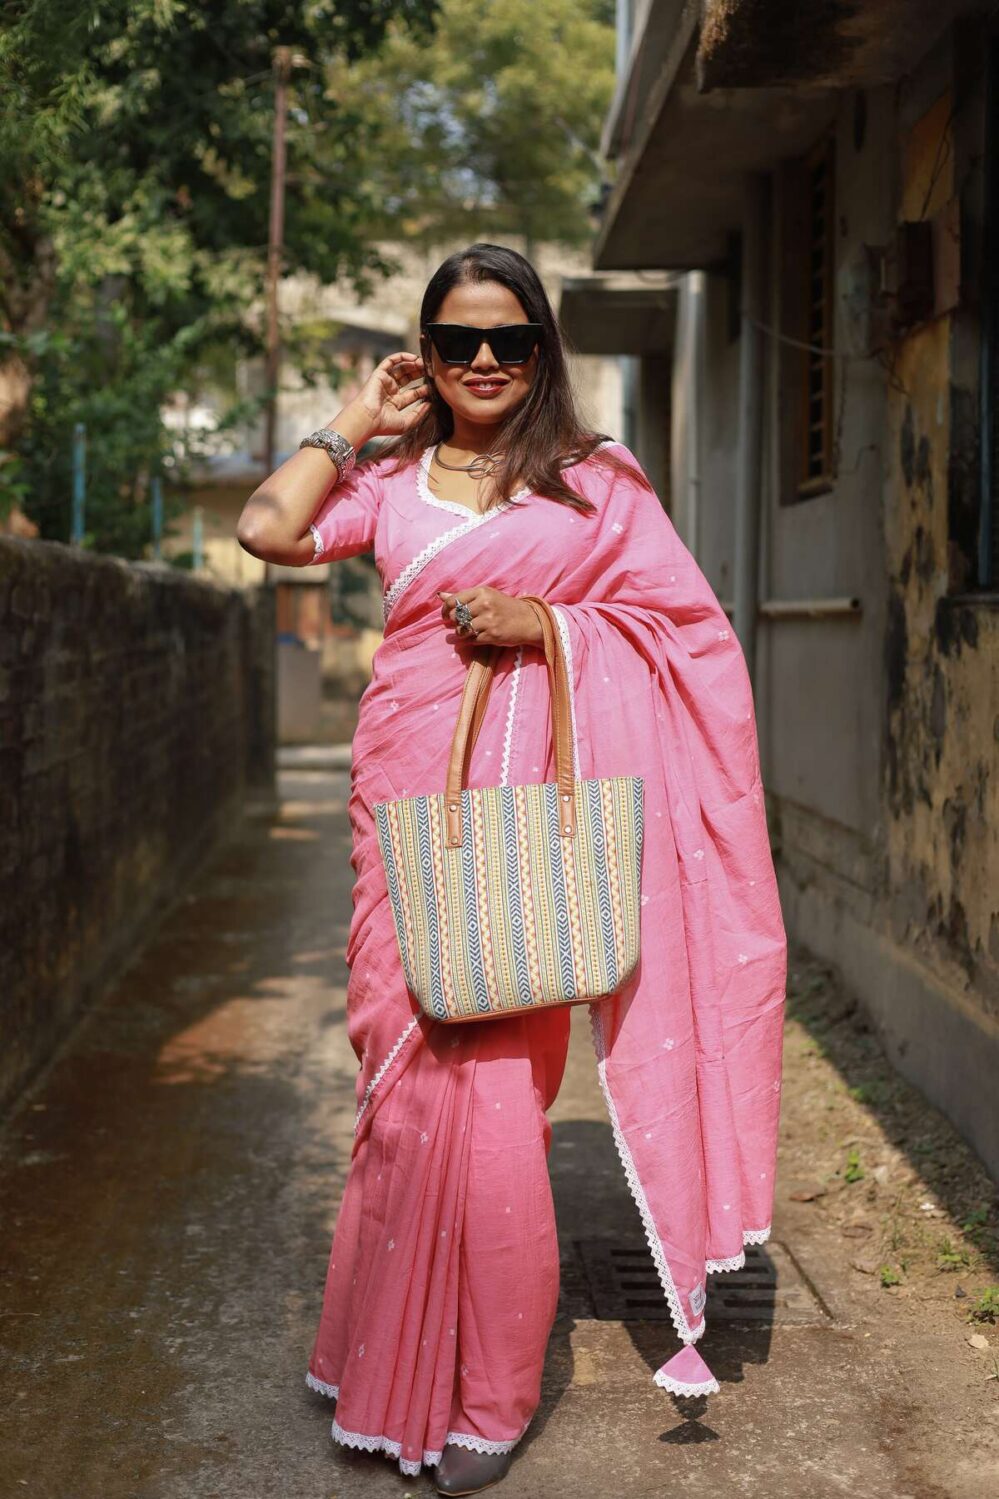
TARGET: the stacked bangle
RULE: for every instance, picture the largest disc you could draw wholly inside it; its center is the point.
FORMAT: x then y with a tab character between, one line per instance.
340	451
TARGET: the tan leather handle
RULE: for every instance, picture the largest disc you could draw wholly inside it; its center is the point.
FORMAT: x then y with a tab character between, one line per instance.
558	685
471	711
479	682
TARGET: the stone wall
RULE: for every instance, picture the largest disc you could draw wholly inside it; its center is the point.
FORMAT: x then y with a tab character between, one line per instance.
136	710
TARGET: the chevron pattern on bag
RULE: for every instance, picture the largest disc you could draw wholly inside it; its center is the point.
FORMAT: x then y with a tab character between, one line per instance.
517	917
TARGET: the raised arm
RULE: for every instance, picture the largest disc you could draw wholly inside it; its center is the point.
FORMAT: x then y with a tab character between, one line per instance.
274	523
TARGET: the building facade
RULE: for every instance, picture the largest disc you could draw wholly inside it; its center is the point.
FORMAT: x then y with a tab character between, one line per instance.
821	192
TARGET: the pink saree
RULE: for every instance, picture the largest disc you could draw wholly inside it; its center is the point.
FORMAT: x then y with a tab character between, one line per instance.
443	1275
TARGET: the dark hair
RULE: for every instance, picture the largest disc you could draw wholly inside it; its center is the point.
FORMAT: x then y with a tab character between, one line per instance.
544	434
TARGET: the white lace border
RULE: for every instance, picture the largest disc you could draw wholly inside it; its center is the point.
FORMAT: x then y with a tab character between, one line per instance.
736	1261
687	1333
683	1387
409	1466
383	1068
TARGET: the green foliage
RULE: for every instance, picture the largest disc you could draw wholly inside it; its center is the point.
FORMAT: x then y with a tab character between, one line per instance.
113	375
854	1170
949	1258
876	1092
978	1229
889	1276
489	126
135	146
986	1308
135	165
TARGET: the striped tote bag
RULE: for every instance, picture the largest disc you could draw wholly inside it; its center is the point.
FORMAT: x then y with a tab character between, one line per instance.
510	898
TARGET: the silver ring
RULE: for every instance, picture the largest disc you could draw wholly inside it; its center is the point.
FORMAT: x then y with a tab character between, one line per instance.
463	616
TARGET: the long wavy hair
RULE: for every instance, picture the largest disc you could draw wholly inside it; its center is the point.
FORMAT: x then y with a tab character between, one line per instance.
544	434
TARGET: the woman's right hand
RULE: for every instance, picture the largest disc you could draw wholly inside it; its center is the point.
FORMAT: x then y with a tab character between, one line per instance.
273	524
388	403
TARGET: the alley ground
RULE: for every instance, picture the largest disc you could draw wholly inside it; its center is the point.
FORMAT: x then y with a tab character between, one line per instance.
167	1193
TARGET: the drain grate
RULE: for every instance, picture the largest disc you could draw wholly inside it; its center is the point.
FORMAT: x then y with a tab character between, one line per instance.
770	1288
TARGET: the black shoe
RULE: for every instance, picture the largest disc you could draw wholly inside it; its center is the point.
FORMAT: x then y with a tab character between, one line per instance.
462	1472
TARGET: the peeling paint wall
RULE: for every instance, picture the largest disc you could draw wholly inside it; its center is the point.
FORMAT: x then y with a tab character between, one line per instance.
941	792
879	733
907	906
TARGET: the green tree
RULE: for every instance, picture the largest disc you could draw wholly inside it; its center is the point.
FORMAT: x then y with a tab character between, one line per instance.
489	125
135	158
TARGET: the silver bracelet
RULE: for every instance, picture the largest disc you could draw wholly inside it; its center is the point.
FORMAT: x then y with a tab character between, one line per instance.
340	451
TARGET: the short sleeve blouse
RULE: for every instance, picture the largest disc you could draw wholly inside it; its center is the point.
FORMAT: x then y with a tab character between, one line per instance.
344	525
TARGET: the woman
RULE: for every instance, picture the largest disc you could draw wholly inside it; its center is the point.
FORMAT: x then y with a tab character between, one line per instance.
443	1276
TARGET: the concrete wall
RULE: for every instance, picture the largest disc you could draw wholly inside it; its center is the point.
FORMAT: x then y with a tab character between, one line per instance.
940	787
719	436
819	682
136	707
652	421
878	733
820	679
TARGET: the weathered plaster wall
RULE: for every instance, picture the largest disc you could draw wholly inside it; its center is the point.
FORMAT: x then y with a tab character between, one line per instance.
921	943
941	792
879	736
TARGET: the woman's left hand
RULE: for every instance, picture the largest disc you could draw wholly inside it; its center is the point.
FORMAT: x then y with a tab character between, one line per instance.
497	618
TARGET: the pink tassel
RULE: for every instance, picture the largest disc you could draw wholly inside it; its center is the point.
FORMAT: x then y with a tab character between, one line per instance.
686	1373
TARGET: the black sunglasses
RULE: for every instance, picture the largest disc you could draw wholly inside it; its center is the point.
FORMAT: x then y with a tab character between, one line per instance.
458	343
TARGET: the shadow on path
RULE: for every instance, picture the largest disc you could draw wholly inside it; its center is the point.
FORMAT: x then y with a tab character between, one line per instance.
946	1164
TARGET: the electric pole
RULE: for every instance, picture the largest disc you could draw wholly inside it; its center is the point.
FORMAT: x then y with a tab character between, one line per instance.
275	248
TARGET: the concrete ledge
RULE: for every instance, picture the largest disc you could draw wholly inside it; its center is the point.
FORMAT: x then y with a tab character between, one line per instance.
932	1034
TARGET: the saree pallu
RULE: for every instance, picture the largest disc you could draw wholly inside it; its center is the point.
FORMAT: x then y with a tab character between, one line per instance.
443	1274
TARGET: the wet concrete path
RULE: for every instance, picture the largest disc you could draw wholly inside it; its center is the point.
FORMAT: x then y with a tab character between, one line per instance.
167	1193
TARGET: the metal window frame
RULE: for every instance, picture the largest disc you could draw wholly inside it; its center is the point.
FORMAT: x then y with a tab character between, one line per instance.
810	483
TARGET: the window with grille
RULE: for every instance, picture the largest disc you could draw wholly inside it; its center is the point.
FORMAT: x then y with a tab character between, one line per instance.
816	367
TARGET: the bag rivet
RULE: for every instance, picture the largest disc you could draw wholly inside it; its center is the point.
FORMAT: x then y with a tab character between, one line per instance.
452	806
565	796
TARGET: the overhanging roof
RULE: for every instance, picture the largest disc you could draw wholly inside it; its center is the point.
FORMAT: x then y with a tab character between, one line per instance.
679	189
656	23
700	107
619	314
